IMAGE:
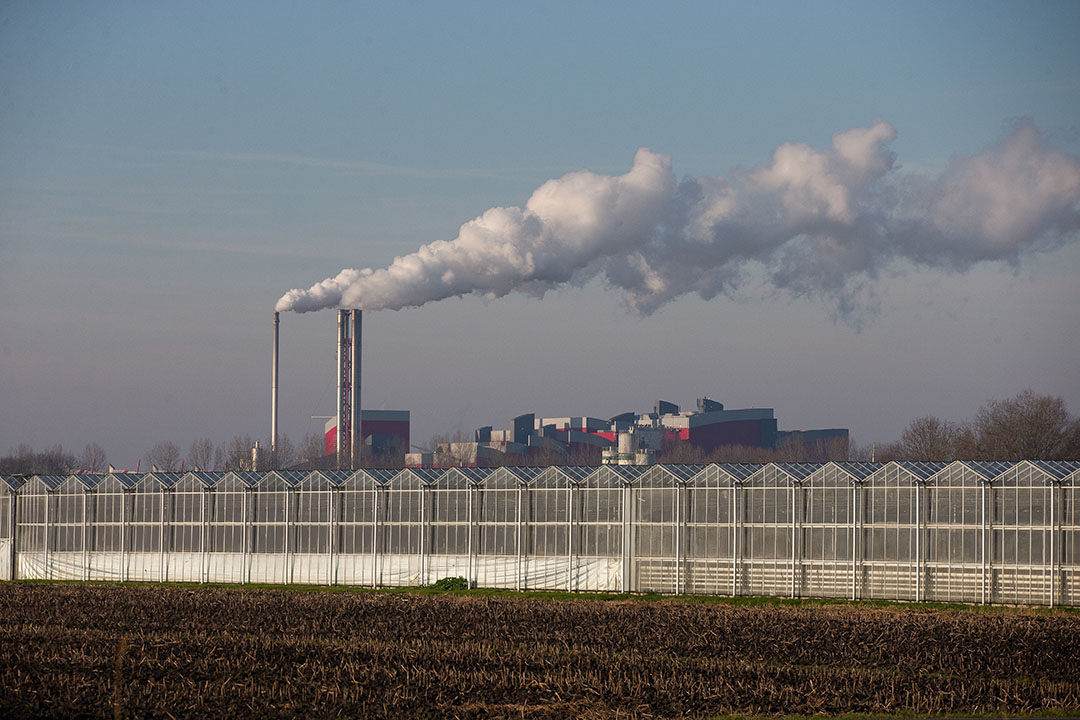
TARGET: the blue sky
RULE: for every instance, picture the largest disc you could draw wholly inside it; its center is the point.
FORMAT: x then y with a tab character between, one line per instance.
167	171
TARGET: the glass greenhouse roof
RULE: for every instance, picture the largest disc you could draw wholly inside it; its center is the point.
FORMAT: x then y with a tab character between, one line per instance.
1059	469
291	477
336	477
684	472
209	479
427	475
12	481
988	470
859	470
924	470
576	473
799	471
167	479
739	471
250	477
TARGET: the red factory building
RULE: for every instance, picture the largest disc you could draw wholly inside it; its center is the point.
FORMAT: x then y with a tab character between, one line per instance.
381	431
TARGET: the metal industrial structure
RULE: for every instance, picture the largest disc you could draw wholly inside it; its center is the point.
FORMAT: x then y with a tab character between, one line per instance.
973	532
348	428
348	443
274	388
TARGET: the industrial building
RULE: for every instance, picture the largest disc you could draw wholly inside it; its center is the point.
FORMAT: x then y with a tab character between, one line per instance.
382	432
625	439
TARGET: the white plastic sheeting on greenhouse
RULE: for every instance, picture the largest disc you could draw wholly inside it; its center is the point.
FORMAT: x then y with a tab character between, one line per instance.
8	486
973	532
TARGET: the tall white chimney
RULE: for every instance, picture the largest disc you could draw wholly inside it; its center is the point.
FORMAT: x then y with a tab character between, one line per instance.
274	393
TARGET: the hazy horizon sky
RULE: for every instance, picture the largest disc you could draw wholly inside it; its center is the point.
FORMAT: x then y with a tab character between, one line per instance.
167	171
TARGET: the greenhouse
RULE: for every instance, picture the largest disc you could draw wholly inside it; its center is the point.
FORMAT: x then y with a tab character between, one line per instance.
970	532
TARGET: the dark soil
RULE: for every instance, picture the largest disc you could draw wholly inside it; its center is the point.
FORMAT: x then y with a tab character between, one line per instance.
145	651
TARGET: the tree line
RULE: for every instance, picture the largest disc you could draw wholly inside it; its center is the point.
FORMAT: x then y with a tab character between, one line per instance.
166	456
1027	426
235	454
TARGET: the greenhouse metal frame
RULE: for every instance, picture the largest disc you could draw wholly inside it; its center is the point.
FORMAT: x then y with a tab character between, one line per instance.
969	532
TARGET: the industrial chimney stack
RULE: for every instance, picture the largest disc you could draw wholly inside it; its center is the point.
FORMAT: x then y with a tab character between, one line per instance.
356	439
274	394
349	439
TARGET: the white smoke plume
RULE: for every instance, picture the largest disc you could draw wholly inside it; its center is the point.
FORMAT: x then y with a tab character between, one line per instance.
819	222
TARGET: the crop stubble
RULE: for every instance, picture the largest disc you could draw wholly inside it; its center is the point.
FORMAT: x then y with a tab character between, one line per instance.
123	651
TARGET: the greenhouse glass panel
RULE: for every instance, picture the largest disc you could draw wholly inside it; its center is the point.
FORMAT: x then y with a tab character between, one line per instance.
964	531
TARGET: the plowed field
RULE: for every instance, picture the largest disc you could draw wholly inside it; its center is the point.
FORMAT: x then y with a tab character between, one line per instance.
127	651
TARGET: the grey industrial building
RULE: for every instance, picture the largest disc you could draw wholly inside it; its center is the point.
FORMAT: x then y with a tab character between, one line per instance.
629	438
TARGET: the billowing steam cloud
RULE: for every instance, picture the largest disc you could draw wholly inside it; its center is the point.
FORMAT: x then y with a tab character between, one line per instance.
816	221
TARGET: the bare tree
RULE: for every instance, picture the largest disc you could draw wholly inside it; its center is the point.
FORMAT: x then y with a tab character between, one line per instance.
742	454
791	449
1026	427
838	449
455	454
886	452
55	461
392	455
201	454
312	448
859	453
165	456
581	454
286	454
17	461
929	438
93	459
238	453
545	456
966	443
452	449
24	461
681	452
